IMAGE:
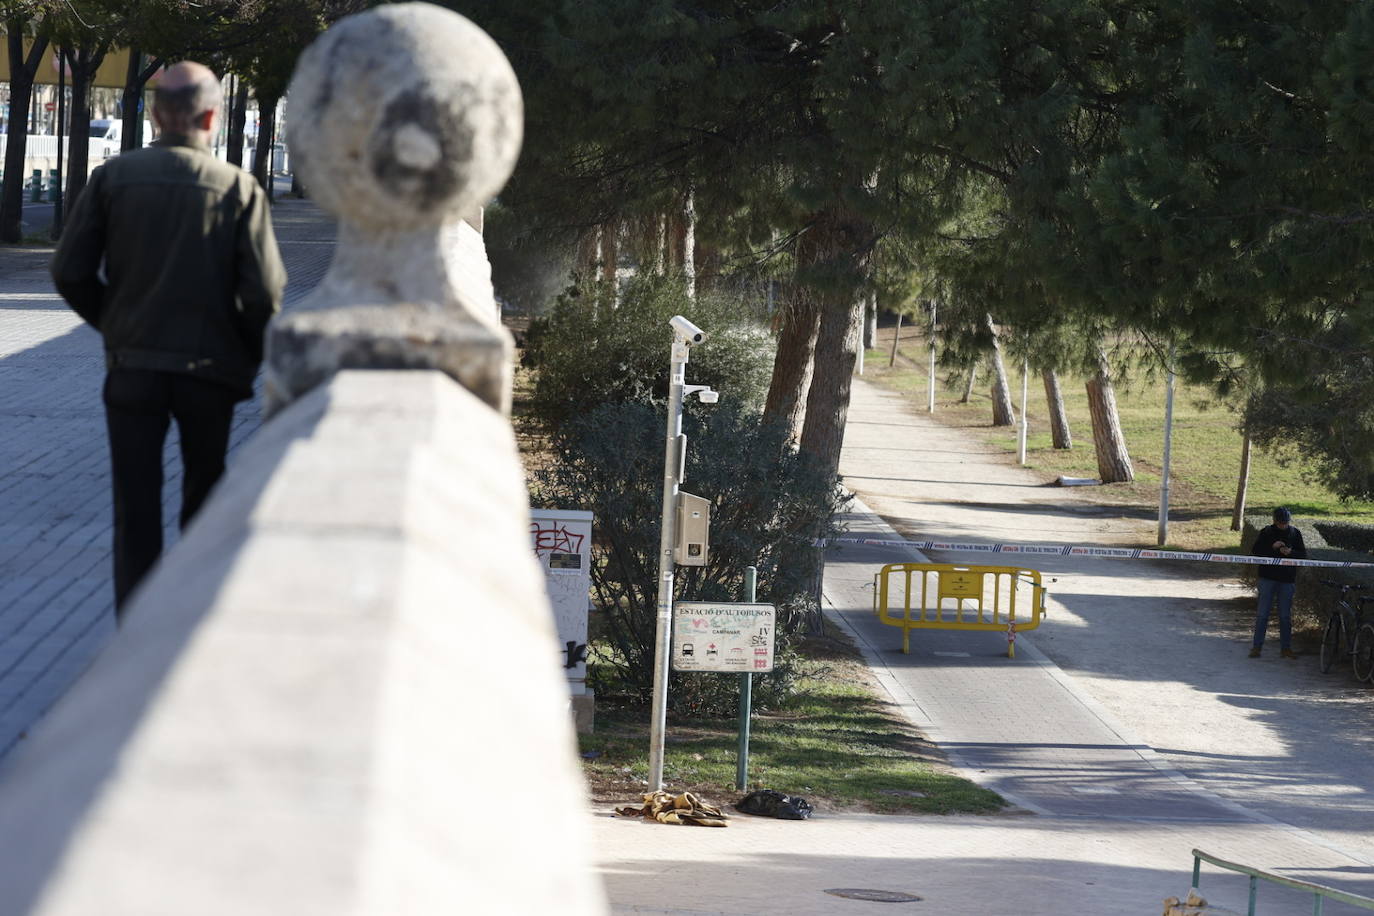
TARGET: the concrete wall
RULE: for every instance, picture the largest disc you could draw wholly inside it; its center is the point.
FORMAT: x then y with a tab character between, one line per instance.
40	152
339	694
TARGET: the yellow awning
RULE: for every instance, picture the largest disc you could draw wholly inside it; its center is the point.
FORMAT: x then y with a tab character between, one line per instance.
111	74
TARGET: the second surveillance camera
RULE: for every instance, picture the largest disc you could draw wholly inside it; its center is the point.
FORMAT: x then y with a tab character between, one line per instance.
686	330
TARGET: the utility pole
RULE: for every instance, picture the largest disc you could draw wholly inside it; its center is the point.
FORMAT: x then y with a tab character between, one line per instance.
685	336
930	395
1163	533
1025	424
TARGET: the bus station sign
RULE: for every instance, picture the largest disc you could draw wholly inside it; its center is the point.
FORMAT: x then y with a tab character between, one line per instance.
721	636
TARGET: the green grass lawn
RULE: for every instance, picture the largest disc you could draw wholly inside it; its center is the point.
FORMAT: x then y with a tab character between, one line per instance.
1205	458
836	743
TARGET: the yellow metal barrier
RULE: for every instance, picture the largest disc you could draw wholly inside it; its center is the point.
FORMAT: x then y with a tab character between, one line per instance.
942	596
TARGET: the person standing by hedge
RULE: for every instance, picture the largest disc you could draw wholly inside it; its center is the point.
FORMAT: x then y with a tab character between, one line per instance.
1277	583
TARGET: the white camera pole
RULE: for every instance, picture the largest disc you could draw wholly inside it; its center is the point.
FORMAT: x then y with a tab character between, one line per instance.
684	335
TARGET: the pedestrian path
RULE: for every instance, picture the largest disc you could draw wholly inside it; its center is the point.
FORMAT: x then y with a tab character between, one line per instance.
1129	729
1017	723
1159	648
56	597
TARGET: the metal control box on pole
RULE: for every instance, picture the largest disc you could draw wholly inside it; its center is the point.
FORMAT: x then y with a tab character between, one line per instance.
693	536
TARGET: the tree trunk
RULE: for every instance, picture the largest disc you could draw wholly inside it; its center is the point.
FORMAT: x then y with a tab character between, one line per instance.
135	78
609	260
84	64
21	74
972	380
63	130
262	150
838	244
794	361
689	245
131	116
1059	419
1113	461
1003	413
827	401
1242	484
659	243
238	117
896	335
871	321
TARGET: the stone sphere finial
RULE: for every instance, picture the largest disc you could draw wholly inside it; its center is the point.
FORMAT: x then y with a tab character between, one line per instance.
402	121
403	115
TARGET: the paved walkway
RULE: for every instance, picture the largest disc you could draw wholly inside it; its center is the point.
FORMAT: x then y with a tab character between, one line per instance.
56	596
1129	729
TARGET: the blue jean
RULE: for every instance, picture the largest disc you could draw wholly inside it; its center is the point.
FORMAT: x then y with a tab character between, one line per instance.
1269	590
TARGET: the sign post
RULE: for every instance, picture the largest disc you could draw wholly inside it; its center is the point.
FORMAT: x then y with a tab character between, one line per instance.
727	637
746	693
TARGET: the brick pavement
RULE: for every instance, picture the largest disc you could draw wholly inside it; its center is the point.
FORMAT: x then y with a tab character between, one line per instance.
56	596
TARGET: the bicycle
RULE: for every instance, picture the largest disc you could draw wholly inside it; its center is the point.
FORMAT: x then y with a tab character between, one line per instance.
1360	646
1362	652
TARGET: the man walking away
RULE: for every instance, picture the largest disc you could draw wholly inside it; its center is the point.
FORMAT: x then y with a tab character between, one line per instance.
1276	583
169	253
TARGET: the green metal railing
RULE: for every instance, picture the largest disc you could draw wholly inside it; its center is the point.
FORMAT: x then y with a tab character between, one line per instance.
1319	892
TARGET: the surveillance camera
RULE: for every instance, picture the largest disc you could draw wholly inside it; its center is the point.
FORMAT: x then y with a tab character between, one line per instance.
708	396
686	331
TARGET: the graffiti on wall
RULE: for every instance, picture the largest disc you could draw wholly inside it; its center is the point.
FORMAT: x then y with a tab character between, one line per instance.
554	537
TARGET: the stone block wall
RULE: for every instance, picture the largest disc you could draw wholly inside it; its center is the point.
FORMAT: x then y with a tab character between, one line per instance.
338	695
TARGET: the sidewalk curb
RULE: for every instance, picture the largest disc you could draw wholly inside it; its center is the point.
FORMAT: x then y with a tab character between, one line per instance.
911	708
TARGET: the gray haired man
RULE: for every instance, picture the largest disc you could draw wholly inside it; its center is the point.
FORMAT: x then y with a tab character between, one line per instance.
169	253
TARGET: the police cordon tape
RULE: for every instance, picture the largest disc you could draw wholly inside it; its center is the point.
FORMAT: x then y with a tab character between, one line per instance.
1079	550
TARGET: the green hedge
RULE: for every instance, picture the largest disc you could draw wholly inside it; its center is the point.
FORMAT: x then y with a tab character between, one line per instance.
1347	535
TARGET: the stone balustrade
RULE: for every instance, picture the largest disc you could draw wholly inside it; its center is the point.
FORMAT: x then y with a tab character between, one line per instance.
340	692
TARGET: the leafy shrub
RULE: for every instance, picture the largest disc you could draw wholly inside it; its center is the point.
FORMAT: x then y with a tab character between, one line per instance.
1316	407
590	351
768	505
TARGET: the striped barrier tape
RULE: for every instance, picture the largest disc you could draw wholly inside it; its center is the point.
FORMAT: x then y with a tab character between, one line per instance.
1114	553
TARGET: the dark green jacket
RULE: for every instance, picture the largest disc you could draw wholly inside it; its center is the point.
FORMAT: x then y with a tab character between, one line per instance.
169	253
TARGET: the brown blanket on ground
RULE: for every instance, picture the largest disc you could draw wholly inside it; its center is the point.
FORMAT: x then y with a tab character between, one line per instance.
676	809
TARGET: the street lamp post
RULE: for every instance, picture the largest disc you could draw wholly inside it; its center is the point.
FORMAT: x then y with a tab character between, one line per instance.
1162	535
685	336
930	387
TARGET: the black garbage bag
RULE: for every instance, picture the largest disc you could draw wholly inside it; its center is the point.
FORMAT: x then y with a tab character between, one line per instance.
772	803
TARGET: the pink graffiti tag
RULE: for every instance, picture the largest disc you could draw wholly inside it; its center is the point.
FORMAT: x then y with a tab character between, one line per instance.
557	539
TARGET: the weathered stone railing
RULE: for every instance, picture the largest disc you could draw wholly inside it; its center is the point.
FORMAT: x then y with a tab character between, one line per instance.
340	692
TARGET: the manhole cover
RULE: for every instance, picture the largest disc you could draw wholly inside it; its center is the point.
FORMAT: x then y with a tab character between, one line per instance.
865	893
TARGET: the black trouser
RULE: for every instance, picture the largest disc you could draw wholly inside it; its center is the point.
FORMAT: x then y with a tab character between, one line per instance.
139	405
